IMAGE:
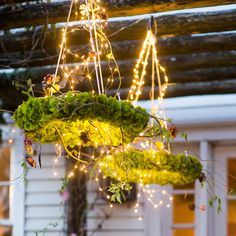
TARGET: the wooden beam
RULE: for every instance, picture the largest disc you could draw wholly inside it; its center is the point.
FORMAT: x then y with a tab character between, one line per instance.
171	63
37	38
187	89
50	13
175	76
9	93
200	88
220	41
37	73
203	74
11	2
199	60
41	38
122	49
188	76
184	23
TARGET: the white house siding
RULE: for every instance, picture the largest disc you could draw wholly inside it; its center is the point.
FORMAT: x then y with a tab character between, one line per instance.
121	219
42	199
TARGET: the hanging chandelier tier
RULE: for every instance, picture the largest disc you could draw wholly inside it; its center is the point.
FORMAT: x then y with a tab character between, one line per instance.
81	119
151	167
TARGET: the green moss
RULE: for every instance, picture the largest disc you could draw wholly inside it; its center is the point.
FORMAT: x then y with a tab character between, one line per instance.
99	116
151	168
74	133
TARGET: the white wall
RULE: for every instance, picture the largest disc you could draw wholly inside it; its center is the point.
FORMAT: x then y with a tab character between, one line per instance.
42	199
121	219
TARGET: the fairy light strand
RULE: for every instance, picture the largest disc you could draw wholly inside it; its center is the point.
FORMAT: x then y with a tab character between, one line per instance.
63	40
100	54
138	81
91	28
99	45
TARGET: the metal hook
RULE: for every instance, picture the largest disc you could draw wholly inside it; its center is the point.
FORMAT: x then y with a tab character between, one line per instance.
152	25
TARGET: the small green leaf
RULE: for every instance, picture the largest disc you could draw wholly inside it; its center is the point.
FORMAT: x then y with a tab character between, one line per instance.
219	209
117	190
184	136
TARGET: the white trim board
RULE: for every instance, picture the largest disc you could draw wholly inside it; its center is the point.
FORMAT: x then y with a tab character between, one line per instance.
207	110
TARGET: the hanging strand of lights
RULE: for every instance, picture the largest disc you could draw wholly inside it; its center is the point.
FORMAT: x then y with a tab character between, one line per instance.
100	55
103	123
149	45
158	76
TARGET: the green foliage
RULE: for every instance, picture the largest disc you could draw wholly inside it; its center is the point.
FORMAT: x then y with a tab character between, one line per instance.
73	132
170	120
47	229
184	136
64	184
232	192
215	199
118	191
25	168
26	87
147	167
153	131
41	118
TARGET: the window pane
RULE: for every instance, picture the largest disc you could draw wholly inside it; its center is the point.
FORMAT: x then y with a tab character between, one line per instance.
5	164
181	212
4	202
5	231
183	232
232	175
231	217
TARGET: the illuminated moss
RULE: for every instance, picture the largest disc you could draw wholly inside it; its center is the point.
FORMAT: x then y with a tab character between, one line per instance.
81	118
150	167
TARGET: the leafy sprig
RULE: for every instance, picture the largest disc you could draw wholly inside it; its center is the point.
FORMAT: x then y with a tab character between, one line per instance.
118	191
215	199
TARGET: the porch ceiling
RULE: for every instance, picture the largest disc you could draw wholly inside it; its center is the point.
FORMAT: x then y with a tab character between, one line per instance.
196	44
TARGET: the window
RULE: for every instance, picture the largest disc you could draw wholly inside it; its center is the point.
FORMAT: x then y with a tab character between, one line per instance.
225	177
183	218
12	190
231	203
5	192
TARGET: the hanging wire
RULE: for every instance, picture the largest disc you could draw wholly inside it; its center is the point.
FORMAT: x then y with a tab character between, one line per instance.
91	27
63	41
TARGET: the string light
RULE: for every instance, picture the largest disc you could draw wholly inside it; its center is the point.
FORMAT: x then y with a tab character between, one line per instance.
148	193
149	46
100	48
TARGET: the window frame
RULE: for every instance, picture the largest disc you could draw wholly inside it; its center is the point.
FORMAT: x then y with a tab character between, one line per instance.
16	185
222	154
